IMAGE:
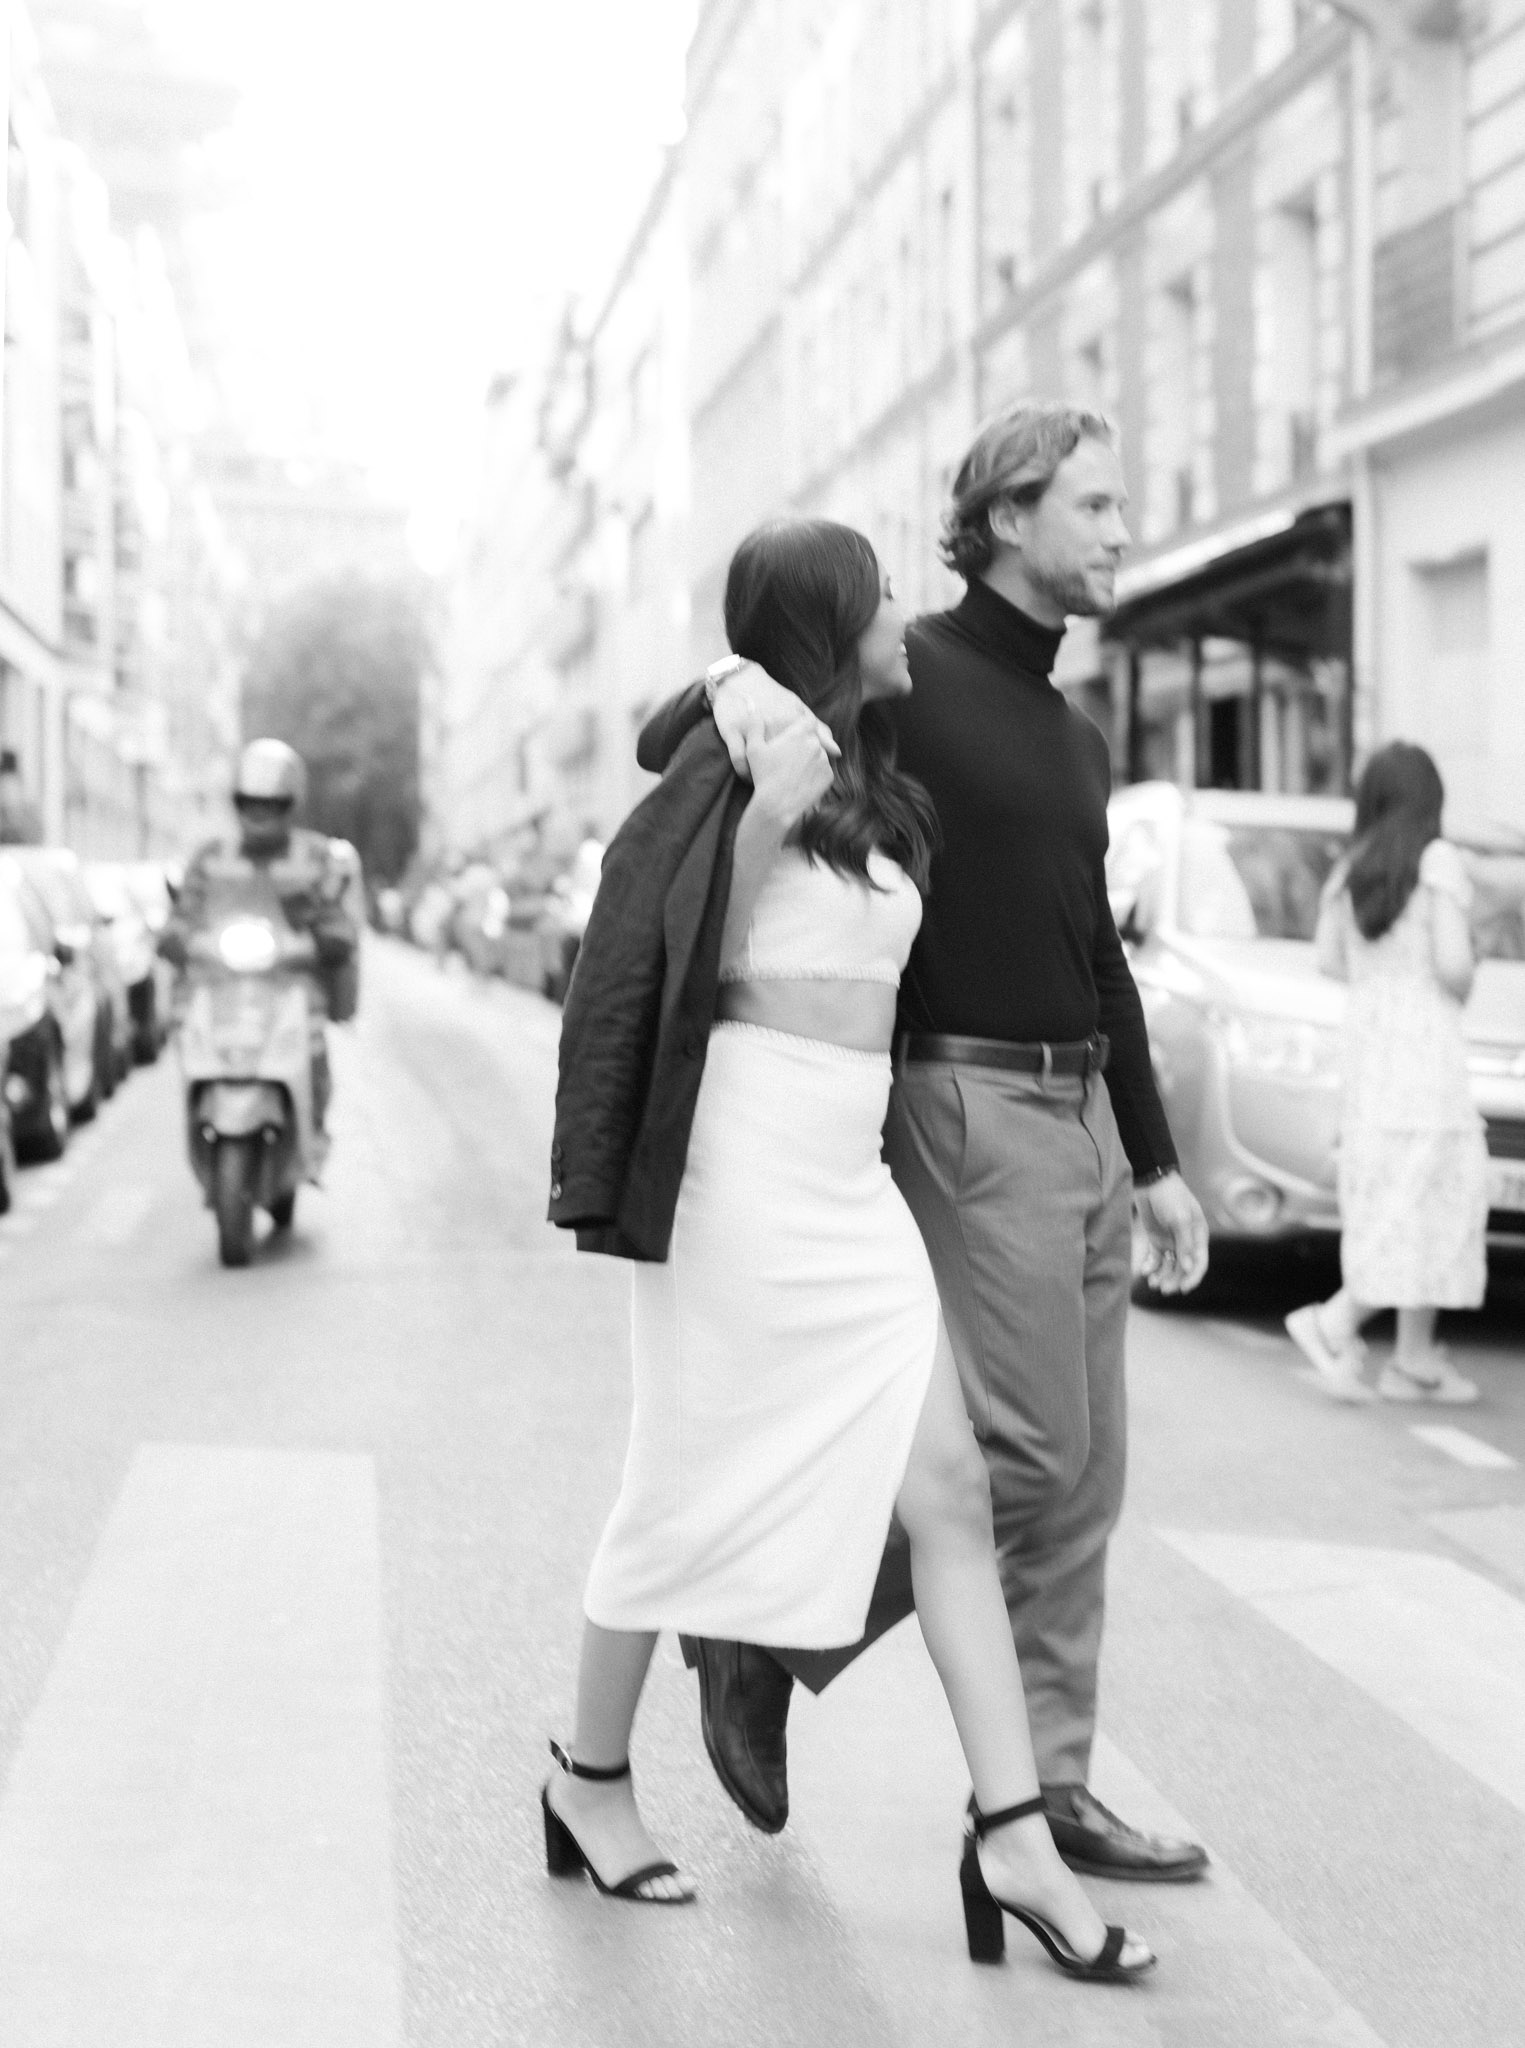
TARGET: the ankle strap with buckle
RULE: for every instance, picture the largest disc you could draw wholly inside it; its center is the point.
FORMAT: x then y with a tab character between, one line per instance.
598	1772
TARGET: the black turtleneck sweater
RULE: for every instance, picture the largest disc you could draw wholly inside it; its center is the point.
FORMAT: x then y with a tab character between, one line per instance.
1017	940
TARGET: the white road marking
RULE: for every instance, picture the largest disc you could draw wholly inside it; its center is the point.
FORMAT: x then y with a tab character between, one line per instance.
117	1215
1430	1641
879	1785
1495	1534
1461	1445
194	1841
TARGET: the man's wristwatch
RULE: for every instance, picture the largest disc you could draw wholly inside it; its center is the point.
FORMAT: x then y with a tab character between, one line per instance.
717	672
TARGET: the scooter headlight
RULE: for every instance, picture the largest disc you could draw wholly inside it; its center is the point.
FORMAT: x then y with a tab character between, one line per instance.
248	946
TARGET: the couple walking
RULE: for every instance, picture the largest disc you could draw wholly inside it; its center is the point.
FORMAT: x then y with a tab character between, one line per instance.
877	1330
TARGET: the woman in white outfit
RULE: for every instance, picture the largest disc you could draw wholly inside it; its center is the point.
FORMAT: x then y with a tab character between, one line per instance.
1413	1166
793	1383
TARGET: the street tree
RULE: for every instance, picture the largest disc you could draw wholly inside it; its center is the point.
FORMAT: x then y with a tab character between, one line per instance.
338	672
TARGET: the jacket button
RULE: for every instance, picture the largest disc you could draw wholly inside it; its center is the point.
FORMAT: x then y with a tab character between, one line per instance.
555	1190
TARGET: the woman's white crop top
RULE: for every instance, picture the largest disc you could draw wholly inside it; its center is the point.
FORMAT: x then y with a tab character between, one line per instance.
813	924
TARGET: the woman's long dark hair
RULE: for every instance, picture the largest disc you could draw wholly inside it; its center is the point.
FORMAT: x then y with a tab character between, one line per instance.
1398	805
799	596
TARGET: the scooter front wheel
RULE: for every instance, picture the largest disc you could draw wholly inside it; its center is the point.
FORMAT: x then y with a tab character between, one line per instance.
235	1168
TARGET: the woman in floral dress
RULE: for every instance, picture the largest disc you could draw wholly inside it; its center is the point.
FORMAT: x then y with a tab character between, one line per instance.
1413	1159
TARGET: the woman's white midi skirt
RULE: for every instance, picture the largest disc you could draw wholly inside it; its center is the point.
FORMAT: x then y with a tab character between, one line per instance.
781	1356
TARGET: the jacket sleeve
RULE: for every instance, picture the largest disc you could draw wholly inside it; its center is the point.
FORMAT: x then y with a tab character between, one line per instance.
668	726
608	1028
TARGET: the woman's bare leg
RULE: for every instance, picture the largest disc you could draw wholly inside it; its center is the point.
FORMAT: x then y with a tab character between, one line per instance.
944	1506
603	1814
1416	1339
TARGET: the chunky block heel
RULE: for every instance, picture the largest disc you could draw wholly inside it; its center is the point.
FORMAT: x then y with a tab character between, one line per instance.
563	1858
983	1921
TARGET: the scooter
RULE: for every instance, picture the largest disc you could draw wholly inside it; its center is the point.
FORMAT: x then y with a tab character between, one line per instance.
248	1035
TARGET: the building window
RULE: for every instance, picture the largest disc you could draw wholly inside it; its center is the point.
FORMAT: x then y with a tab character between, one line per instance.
1293	310
1175	400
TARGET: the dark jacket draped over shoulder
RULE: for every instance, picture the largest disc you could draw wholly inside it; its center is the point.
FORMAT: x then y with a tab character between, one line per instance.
636	1026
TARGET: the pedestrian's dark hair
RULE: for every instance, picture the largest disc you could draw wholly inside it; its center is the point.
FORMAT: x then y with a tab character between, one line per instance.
1012	457
1398	803
799	596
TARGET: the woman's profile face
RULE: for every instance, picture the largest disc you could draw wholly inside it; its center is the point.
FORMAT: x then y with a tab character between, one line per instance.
881	650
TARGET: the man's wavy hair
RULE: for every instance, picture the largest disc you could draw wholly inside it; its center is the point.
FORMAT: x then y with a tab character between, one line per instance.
1399	800
799	596
1012	458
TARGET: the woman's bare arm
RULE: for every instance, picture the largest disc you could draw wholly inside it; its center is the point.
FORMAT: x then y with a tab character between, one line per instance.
790	774
1443	872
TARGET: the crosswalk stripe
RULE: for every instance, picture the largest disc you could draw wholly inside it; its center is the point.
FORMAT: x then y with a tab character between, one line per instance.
1461	1445
878	1787
194	1841
1432	1642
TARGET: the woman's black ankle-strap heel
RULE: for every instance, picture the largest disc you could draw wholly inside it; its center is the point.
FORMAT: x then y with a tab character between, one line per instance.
985	1925
565	1856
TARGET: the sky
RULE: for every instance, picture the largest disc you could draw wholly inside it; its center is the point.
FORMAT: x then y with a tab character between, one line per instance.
415	185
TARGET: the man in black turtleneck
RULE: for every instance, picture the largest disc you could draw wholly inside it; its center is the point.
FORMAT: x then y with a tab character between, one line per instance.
1024	1123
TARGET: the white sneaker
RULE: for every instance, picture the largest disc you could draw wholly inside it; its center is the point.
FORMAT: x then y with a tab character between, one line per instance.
1338	1372
1437	1381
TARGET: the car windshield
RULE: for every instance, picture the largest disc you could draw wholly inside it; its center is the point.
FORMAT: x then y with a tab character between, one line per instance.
1253	881
1498	903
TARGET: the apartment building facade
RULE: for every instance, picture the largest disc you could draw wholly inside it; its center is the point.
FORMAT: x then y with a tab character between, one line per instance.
570	603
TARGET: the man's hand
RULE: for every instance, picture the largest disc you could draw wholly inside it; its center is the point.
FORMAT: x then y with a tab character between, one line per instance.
750	706
792	771
1173	1222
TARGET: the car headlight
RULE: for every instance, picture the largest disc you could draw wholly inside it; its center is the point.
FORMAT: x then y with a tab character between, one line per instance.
248	945
1279	1048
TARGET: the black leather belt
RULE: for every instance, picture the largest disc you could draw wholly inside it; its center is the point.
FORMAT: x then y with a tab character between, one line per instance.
1082	1057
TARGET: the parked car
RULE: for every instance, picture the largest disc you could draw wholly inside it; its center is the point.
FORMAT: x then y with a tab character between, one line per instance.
148	980
45	1033
565	918
90	978
1216	895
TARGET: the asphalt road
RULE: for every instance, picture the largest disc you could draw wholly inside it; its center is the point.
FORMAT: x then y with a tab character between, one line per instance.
289	1572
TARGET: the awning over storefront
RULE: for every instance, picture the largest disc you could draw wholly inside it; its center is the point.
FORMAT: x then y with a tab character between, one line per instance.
1255	624
1285	593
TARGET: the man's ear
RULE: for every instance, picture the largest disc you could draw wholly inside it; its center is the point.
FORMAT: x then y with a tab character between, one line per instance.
1008	522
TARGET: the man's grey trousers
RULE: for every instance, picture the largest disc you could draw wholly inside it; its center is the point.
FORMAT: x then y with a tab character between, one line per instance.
1023	1195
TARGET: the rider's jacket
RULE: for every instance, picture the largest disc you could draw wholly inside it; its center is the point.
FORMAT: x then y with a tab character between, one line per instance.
311	877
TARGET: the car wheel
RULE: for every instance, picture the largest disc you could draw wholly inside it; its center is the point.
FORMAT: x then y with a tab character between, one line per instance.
146	1037
53	1136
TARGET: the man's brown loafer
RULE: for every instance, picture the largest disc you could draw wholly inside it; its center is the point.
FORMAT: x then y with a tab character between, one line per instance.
1095	1841
744	1713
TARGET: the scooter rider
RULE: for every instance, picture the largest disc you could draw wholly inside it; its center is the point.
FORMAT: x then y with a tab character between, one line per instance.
303	867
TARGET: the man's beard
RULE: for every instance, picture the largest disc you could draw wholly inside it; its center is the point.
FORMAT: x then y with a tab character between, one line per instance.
1070	590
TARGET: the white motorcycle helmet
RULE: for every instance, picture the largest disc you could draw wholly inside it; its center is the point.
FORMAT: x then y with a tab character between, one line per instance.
270	783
